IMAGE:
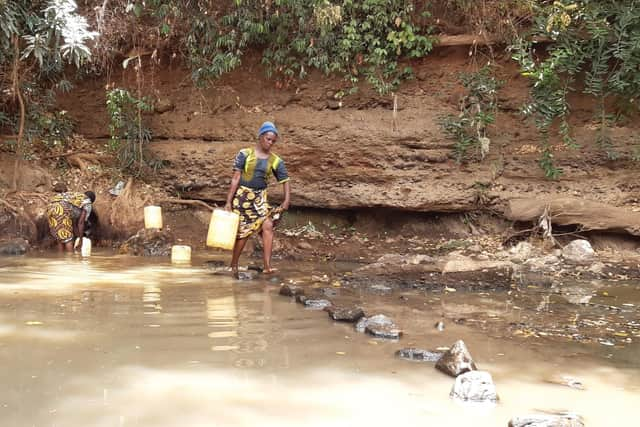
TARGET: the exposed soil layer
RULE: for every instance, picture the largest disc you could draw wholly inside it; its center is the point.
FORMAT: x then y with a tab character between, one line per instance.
345	155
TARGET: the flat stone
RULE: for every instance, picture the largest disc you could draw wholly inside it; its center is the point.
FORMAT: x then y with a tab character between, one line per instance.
317	304
247	275
384	331
345	314
215	264
380	326
379	319
474	386
290	290
547	420
419	355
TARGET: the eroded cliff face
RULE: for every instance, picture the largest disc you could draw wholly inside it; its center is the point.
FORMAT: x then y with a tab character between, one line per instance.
350	153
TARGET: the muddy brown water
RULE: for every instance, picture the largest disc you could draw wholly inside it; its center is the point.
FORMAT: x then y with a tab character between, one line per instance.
124	341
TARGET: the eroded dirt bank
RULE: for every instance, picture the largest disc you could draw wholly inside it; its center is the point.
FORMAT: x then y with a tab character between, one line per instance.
343	154
349	154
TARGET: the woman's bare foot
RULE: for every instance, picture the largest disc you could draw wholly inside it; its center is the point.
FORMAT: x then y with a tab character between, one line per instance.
270	270
234	272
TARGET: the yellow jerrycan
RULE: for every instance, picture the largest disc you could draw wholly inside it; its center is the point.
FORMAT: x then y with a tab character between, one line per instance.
223	229
180	254
152	217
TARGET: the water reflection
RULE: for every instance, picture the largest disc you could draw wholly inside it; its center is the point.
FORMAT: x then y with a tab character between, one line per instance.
222	316
151	299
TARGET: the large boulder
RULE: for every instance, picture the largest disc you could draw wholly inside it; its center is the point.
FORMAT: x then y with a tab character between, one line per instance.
474	386
579	251
457	360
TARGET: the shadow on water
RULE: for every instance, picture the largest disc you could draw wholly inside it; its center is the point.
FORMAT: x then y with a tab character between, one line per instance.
134	342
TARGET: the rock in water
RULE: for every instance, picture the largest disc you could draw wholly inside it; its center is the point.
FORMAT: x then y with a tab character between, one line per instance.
380	326
579	251
418	354
547	420
474	386
148	242
247	275
316	304
345	314
290	290
457	360
14	247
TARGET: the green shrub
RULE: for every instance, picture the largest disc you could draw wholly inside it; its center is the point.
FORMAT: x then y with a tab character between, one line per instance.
477	111
129	134
357	39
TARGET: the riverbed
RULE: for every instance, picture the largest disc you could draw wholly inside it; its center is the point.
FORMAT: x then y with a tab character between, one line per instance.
125	341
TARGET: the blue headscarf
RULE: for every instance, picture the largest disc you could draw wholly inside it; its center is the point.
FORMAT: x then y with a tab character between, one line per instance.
267	127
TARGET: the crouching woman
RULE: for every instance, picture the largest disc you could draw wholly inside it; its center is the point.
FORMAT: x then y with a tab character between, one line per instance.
68	214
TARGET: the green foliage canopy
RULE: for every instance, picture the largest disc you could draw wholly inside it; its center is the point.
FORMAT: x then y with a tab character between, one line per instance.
595	49
358	39
37	40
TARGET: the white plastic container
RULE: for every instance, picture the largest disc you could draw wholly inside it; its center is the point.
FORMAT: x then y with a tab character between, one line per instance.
152	217
180	254
85	250
223	229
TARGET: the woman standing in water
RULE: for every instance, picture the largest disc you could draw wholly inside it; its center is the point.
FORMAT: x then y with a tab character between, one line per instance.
248	194
68	214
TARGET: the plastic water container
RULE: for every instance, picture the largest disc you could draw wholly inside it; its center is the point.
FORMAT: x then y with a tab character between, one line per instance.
223	229
85	250
152	217
180	254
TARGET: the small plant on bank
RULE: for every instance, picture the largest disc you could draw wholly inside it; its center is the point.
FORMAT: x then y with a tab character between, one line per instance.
129	135
55	130
548	166
477	111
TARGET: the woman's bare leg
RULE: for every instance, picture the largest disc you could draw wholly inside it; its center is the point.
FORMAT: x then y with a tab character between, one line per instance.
235	257
267	244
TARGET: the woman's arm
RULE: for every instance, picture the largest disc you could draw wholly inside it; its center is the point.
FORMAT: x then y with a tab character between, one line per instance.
287	195
80	226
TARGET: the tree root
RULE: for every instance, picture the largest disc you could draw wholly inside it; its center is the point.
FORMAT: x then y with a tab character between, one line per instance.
189	202
70	153
82	160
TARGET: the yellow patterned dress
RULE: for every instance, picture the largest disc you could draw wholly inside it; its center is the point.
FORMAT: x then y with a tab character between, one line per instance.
253	208
62	211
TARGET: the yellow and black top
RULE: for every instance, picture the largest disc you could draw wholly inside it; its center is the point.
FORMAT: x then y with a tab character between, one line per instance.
256	172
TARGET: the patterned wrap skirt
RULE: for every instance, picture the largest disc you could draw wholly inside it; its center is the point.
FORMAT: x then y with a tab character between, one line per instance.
60	215
254	209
